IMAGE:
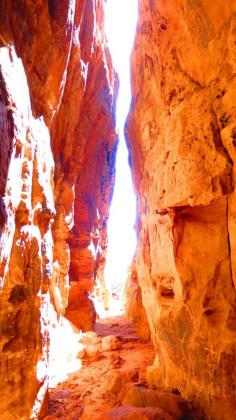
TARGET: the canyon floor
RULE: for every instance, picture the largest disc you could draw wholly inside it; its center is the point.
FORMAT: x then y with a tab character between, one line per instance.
86	393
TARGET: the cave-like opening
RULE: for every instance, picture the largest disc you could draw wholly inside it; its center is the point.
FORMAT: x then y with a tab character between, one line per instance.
120	26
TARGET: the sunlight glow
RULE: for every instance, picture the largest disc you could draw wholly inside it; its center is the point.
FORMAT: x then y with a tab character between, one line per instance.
64	350
61	358
120	23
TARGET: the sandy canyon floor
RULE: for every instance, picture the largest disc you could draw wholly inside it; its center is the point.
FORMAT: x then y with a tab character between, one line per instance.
90	392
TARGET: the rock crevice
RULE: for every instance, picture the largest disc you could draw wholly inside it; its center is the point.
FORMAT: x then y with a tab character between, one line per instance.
57	154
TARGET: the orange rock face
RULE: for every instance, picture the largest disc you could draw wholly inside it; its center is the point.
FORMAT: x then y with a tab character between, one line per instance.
57	151
134	305
181	133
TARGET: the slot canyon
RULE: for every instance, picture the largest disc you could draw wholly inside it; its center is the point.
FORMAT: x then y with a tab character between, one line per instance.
172	354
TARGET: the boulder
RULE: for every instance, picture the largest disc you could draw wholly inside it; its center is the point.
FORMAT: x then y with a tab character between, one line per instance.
136	413
111	342
140	396
116	379
90	337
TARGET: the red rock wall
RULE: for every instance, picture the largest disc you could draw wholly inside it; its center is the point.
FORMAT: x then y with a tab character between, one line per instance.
181	134
134	305
57	152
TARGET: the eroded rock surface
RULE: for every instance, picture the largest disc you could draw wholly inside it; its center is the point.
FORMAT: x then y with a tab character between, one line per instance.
95	389
181	134
57	153
134	304
58	143
137	413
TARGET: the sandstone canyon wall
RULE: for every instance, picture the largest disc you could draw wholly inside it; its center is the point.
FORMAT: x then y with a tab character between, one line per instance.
57	148
181	133
57	151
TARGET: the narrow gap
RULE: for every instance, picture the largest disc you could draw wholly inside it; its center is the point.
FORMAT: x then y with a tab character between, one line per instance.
120	26
98	363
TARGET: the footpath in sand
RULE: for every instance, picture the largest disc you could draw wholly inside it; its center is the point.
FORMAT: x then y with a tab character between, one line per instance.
94	389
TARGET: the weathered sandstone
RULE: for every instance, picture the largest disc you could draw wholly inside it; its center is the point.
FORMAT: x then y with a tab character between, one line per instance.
58	143
134	305
181	134
57	152
136	413
138	395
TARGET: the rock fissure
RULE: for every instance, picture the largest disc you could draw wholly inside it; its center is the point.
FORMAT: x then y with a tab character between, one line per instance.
58	144
229	246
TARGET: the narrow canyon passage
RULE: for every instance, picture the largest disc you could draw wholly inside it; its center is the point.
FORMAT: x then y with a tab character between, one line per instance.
122	239
174	356
97	365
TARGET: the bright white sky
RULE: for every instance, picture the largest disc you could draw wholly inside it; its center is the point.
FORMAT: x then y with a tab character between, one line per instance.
120	23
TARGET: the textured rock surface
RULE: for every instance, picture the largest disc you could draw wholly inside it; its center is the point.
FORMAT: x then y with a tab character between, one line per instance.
94	390
138	395
26	240
117	379
134	305
181	133
56	88
111	342
136	413
56	173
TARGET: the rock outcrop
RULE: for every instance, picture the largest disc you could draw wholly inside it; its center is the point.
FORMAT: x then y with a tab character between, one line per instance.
181	133
58	142
134	305
57	152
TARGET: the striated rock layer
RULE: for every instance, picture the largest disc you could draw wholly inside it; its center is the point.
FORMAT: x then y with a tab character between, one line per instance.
181	133
57	152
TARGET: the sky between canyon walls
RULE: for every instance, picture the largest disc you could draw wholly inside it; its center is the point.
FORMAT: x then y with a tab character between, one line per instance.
120	24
